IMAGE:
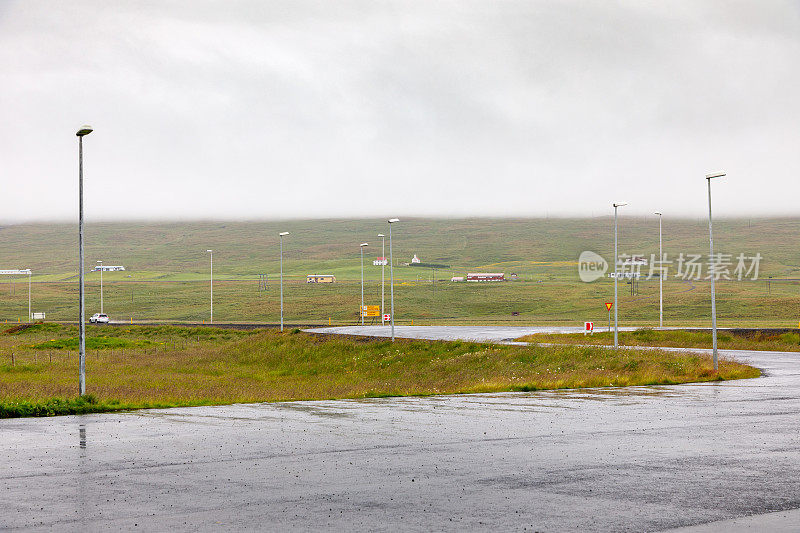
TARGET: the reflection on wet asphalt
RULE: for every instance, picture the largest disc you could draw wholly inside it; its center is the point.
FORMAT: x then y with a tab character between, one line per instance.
640	458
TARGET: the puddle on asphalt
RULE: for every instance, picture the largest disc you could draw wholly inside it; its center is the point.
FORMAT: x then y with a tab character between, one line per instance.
207	414
314	409
615	393
533	400
351	408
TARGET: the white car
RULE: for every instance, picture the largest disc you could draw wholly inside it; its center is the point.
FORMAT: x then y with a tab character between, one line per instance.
99	318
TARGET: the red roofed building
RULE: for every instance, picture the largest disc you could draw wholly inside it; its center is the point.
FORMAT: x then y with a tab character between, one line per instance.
489	276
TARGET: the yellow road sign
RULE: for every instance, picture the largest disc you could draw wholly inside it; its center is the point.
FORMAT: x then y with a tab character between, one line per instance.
370	310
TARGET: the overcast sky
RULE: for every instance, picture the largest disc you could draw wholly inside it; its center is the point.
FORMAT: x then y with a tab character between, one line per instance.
306	109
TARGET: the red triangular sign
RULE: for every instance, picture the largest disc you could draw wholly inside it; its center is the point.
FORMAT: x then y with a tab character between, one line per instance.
609	305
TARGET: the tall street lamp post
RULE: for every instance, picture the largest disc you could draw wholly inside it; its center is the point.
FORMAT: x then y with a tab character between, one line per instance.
383	269
85	130
361	310
616	273
391	274
660	276
713	272
211	278
282	235
101	287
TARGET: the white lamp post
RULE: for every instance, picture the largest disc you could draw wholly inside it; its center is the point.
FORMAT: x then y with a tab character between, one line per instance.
211	277
282	235
616	273
383	268
85	130
660	276
101	287
361	310
391	273
713	273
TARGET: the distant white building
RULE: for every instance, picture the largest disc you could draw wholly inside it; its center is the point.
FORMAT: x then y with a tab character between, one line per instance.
635	260
108	268
416	259
320	278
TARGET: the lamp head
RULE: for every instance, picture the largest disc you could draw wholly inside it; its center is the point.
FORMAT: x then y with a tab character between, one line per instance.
381	235
281	234
393	220
363	244
657	213
620	204
208	251
715	175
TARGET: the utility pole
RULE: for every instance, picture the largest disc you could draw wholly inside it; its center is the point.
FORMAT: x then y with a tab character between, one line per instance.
709	177
660	276
616	274
361	309
282	235
211	277
391	272
383	269
85	130
101	287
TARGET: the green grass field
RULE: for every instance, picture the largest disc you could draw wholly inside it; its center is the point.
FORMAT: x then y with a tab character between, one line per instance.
147	366
167	276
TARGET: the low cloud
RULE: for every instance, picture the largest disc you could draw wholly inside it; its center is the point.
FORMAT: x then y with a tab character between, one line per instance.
310	109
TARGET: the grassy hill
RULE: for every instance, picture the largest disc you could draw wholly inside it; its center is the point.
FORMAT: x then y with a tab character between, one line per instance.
148	366
167	269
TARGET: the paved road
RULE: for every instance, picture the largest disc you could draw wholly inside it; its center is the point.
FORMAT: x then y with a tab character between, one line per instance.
641	459
450	333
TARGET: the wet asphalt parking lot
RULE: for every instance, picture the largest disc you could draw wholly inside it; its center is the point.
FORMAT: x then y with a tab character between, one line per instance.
710	456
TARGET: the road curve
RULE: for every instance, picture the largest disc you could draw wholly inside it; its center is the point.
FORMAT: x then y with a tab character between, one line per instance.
707	456
451	333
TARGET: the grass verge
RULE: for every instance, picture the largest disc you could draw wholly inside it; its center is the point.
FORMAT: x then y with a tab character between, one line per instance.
783	342
215	366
